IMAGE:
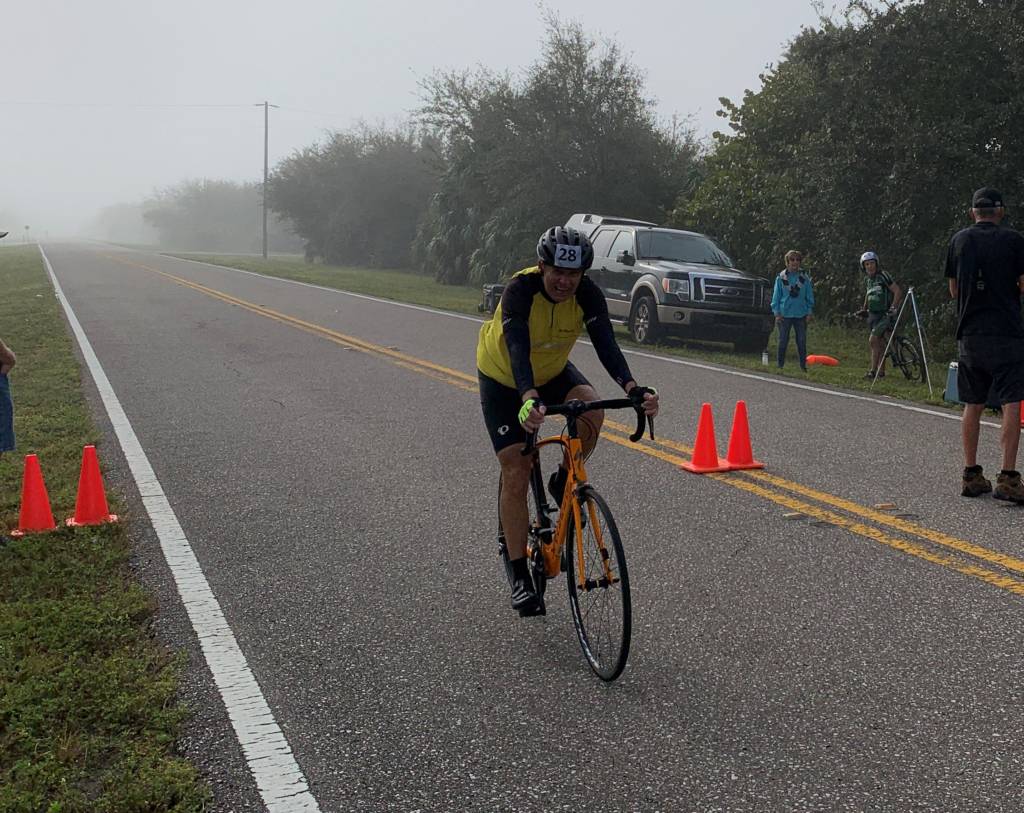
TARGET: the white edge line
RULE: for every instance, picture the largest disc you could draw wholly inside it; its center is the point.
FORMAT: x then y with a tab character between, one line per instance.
670	359
278	777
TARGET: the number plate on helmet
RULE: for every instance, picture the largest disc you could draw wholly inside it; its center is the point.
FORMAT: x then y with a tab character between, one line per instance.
568	256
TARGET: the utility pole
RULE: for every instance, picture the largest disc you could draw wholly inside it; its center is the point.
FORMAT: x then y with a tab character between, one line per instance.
266	165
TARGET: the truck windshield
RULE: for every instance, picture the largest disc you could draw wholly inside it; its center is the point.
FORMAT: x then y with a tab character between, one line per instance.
683	248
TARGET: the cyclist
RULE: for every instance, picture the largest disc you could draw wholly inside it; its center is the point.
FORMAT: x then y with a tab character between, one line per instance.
522	361
881	303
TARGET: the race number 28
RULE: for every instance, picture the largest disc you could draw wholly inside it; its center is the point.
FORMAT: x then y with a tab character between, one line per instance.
568	256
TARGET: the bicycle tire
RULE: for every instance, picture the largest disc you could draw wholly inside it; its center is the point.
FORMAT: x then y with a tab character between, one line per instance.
906	357
601	609
502	546
534	555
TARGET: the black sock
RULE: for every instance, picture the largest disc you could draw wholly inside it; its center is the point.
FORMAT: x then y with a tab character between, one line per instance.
972	470
519	569
1009	473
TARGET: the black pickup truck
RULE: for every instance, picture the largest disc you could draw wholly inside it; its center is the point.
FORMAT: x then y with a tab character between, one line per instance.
665	281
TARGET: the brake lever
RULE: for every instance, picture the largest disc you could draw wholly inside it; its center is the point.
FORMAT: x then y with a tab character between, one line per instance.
640	419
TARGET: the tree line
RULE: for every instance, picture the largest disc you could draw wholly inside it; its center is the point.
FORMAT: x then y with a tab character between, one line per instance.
198	215
870	133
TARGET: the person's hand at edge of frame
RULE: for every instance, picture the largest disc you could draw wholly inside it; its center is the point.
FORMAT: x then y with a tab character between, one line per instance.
7	359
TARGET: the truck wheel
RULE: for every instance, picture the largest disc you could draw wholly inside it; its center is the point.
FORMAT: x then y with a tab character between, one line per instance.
643	321
750	344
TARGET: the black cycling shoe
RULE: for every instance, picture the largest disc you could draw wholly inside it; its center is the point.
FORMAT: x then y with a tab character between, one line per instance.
529	612
524	596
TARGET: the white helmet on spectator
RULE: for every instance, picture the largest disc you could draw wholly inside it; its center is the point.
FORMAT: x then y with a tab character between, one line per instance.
868	255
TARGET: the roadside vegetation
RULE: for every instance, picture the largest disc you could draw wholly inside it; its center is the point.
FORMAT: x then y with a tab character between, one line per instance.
829	156
848	344
88	718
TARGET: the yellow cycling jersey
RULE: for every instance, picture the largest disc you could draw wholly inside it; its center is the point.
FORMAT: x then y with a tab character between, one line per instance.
553	327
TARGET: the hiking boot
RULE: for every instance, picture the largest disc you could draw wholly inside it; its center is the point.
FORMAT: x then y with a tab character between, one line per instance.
975	484
1009	487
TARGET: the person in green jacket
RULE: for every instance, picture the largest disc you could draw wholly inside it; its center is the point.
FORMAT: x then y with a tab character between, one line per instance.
881	303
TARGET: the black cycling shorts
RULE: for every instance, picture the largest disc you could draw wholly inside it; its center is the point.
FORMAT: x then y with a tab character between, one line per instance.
990	370
501	404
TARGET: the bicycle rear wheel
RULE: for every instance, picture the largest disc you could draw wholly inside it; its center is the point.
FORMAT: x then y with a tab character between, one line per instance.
907	359
598	584
539	533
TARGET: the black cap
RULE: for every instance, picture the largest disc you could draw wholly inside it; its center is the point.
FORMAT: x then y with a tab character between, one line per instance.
987	198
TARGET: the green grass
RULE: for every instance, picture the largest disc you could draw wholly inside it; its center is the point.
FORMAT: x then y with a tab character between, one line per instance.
847	344
88	718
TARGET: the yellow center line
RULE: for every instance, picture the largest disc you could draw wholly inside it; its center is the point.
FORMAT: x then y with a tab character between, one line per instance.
867	531
912	528
440	372
939	538
740	480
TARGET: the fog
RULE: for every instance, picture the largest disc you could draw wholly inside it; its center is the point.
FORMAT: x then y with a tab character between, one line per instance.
104	102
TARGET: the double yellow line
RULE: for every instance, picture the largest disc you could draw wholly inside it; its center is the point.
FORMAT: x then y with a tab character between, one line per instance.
939	548
952	552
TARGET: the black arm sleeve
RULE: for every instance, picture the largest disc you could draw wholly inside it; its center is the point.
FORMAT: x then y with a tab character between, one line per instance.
516	301
599	328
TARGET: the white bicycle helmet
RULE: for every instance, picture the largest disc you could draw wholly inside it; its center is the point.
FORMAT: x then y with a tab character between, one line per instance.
868	255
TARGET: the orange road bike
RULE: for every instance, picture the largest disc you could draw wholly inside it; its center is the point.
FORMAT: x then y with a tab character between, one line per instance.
583	542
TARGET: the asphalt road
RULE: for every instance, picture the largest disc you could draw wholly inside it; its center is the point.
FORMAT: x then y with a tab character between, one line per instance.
339	495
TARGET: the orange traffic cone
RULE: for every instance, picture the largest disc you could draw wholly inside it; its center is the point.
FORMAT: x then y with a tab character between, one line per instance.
740	455
705	450
35	502
91	505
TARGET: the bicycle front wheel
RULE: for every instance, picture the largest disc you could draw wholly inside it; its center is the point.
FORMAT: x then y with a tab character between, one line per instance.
599	587
908	359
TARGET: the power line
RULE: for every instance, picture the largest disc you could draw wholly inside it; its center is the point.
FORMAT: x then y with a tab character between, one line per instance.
116	105
313	112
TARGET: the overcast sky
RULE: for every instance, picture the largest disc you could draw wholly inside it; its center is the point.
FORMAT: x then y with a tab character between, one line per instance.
103	101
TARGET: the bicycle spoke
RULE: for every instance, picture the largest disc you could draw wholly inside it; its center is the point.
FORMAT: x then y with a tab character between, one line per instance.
599	591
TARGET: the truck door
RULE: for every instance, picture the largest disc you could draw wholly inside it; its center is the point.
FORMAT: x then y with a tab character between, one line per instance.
602	243
619	274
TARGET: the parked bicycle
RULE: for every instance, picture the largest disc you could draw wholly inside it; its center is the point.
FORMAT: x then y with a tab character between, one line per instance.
583	542
903	353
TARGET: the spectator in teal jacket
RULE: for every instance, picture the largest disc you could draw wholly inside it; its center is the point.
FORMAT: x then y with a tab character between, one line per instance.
792	303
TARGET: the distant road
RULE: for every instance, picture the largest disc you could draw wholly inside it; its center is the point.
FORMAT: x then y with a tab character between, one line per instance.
796	648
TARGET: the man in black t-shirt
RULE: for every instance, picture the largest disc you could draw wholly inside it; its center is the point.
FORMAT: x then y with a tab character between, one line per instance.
985	269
